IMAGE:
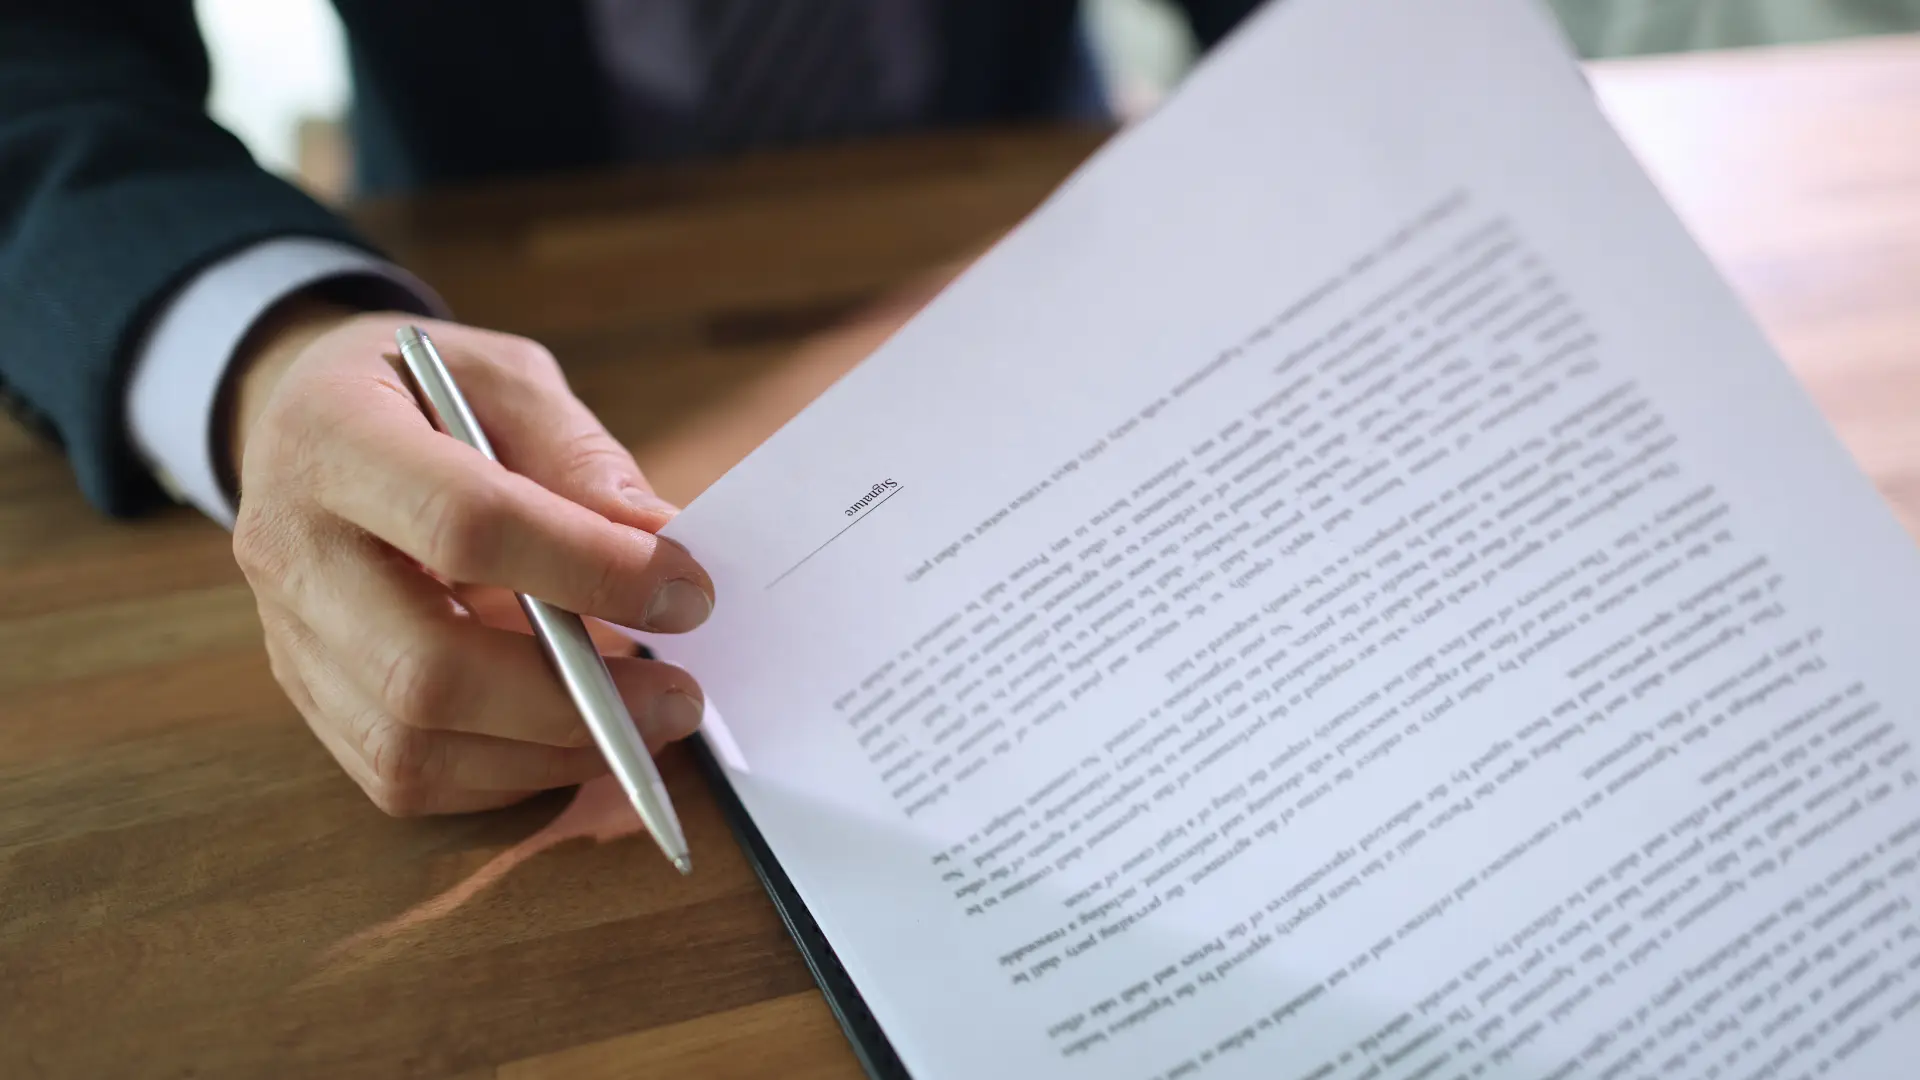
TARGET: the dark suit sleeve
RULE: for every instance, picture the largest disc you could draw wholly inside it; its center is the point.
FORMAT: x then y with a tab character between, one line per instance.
1213	20
115	188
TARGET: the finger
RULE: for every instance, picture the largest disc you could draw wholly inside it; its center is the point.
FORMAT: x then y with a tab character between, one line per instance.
471	521
289	648
397	635
545	433
501	609
412	771
283	631
274	620
293	648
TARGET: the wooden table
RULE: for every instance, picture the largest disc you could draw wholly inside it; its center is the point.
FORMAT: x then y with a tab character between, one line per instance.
189	887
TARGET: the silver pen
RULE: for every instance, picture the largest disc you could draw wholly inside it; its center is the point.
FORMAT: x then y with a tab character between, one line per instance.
562	635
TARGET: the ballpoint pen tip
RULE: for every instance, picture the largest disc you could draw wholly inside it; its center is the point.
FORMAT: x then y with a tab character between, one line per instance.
684	864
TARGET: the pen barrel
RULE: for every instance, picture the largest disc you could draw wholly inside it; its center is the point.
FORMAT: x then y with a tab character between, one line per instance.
577	661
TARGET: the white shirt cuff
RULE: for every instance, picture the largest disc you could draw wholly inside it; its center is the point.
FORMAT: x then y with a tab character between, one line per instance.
177	371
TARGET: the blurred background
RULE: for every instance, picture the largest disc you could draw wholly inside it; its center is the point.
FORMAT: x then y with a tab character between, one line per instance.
280	75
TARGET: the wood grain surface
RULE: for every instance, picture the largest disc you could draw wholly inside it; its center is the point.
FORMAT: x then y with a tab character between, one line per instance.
188	887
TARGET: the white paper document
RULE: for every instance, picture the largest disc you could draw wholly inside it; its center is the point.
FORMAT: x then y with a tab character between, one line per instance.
1342	591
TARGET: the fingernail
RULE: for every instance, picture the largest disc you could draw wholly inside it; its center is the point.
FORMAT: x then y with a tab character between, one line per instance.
641	499
676	715
679	606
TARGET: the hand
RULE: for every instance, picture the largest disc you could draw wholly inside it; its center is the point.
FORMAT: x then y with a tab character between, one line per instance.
370	540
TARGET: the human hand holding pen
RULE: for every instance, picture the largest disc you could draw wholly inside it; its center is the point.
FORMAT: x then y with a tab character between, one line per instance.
361	530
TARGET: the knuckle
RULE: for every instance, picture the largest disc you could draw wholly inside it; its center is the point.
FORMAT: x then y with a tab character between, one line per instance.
280	666
396	800
418	684
592	451
265	550
405	763
251	550
459	529
287	676
525	357
510	365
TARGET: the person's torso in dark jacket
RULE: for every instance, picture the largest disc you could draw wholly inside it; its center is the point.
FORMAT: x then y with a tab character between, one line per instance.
456	93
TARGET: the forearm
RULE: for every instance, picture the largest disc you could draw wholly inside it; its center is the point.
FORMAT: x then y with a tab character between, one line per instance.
118	190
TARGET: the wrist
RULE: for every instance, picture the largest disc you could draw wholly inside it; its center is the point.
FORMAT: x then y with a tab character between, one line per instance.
268	351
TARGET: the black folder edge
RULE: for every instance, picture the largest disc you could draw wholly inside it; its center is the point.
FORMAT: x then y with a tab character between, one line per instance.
870	1043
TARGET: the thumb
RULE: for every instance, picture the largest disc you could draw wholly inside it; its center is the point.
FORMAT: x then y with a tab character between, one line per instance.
541	431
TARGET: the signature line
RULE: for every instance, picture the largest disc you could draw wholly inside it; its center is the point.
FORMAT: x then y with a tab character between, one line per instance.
836	536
